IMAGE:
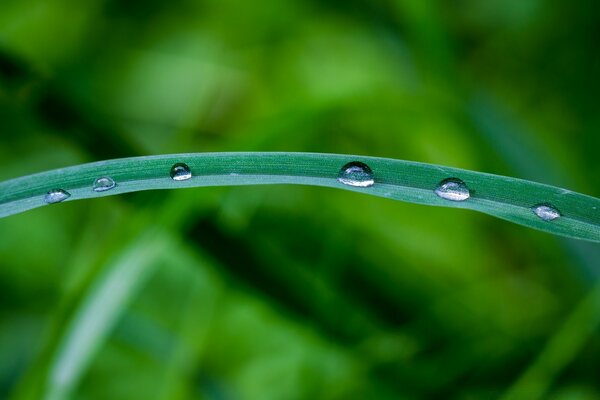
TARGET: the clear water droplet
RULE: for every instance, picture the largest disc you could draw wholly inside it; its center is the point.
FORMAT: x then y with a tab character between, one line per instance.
180	172
357	174
546	212
453	189
103	184
56	196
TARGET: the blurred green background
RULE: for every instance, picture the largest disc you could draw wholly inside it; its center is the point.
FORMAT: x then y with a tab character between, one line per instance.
290	292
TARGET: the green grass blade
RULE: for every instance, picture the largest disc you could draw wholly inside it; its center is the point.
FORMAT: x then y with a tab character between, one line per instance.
99	311
560	351
504	197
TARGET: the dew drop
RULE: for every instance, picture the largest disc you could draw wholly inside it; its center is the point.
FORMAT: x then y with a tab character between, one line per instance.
357	174
103	184
56	196
453	189
546	212
180	172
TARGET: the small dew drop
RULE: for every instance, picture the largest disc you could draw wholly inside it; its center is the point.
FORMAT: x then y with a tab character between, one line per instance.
453	189
103	184
357	174
546	212
56	196
180	172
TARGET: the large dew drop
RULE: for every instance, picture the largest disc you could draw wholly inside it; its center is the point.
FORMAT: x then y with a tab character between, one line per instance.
180	172
103	184
546	212
56	196
357	174
453	189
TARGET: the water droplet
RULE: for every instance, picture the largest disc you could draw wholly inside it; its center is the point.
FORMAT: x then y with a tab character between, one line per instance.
357	174
180	172
103	184
546	212
56	196
453	189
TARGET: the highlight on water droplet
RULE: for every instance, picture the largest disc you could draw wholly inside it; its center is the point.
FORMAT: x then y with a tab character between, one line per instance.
546	212
357	174
180	172
103	184
453	189
56	196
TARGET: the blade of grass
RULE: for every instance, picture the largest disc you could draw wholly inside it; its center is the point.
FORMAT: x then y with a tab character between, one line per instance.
525	153
504	197
560	351
99	311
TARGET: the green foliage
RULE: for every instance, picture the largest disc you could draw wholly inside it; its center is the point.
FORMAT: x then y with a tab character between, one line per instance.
578	216
298	292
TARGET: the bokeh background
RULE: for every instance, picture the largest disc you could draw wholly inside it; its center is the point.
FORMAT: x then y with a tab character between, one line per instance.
290	292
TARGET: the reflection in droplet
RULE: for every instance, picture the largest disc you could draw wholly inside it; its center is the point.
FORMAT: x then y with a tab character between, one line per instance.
453	189
357	174
103	184
180	172
546	212
56	196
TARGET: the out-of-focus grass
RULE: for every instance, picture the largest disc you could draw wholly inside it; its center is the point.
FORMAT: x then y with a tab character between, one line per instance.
290	292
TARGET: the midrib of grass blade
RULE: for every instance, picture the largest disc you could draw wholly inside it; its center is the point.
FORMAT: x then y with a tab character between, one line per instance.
504	197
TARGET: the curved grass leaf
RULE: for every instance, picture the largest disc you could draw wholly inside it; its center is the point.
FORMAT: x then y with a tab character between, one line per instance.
100	310
504	197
